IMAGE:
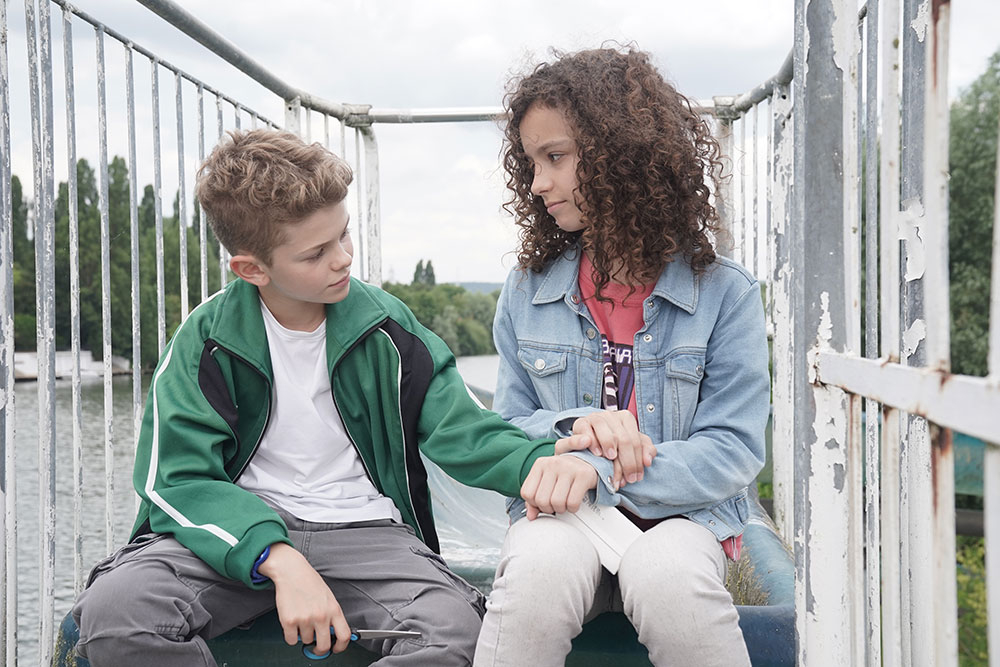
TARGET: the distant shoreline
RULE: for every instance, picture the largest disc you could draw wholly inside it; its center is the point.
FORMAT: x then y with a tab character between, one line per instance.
26	365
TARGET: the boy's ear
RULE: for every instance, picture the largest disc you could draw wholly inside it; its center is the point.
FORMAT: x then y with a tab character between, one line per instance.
250	269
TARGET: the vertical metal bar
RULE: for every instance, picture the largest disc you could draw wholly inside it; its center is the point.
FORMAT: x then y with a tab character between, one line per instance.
8	458
292	114
724	199
372	215
40	76
182	226
253	120
945	598
133	222
755	224
873	598
326	131
892	649
202	232
223	273
825	175
991	462
74	302
343	140
363	227
741	245
237	119
915	464
783	419
109	442
161	316
309	125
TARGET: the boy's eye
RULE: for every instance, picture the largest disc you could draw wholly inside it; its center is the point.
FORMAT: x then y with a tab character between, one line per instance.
315	257
555	157
347	232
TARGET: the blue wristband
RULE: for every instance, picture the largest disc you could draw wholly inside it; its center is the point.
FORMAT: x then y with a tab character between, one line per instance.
255	576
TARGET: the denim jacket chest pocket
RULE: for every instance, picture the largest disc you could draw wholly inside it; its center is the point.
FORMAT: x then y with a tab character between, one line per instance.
549	372
684	371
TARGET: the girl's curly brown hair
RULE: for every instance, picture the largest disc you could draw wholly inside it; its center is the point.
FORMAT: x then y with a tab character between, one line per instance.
644	160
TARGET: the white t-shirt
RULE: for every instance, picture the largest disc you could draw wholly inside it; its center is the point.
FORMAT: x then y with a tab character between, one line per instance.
306	463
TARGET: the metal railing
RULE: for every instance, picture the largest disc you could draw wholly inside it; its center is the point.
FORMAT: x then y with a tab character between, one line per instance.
862	414
863	417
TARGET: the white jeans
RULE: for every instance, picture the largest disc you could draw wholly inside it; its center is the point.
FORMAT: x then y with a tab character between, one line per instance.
670	585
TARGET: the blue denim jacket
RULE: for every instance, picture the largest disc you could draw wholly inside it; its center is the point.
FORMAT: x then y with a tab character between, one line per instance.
701	383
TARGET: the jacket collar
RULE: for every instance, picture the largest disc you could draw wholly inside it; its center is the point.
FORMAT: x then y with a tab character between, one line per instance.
239	324
678	283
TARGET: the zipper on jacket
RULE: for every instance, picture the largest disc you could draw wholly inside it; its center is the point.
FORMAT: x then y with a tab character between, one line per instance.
267	413
409	498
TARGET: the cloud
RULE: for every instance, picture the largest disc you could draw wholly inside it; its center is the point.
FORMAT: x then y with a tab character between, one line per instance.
441	188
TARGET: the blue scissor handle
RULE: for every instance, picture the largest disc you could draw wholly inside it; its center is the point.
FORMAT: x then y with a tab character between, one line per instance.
318	656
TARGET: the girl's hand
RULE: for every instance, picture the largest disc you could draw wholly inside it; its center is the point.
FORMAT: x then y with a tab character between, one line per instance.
615	436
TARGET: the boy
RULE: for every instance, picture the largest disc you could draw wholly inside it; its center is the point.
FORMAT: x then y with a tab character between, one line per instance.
280	440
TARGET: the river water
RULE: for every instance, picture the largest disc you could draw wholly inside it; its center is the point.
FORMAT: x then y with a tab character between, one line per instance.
471	522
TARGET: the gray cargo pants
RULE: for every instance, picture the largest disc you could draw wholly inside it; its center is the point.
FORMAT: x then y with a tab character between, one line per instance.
155	602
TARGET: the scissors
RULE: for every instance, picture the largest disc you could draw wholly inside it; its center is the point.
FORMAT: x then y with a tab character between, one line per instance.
361	634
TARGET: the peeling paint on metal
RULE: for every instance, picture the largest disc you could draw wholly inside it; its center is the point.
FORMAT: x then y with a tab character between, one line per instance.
839	474
910	229
920	22
845	43
913	336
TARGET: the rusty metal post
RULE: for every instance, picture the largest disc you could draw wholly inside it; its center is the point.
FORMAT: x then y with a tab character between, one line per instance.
944	600
824	211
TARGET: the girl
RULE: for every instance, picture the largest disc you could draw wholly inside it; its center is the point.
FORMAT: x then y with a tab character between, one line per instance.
623	332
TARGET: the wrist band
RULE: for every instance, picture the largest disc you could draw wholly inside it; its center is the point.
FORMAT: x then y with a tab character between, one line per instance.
255	576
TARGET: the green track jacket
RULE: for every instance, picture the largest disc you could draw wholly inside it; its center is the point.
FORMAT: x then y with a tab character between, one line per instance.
394	384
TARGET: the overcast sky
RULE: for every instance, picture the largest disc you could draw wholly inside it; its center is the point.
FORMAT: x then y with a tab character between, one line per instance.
441	186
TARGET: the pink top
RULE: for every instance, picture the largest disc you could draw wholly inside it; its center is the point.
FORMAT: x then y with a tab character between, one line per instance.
618	321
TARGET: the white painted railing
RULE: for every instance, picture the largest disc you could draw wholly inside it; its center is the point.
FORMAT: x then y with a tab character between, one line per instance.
875	561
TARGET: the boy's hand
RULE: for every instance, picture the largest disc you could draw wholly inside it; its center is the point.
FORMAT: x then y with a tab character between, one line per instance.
306	606
557	484
613	434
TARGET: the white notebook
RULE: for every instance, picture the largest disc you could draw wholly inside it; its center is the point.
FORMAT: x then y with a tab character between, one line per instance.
609	530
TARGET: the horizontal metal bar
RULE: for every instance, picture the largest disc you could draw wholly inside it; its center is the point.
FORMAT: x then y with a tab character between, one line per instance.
220	46
783	77
966	404
765	90
431	115
84	16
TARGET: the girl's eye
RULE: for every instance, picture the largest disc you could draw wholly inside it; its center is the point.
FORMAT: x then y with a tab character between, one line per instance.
314	258
555	157
347	232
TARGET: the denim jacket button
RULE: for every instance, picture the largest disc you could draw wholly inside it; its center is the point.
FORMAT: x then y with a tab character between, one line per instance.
648	338
591	333
650	407
699	369
588	399
539	364
575	299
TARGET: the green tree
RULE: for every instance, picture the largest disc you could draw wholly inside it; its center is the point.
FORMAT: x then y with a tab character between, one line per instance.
462	319
973	163
23	270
